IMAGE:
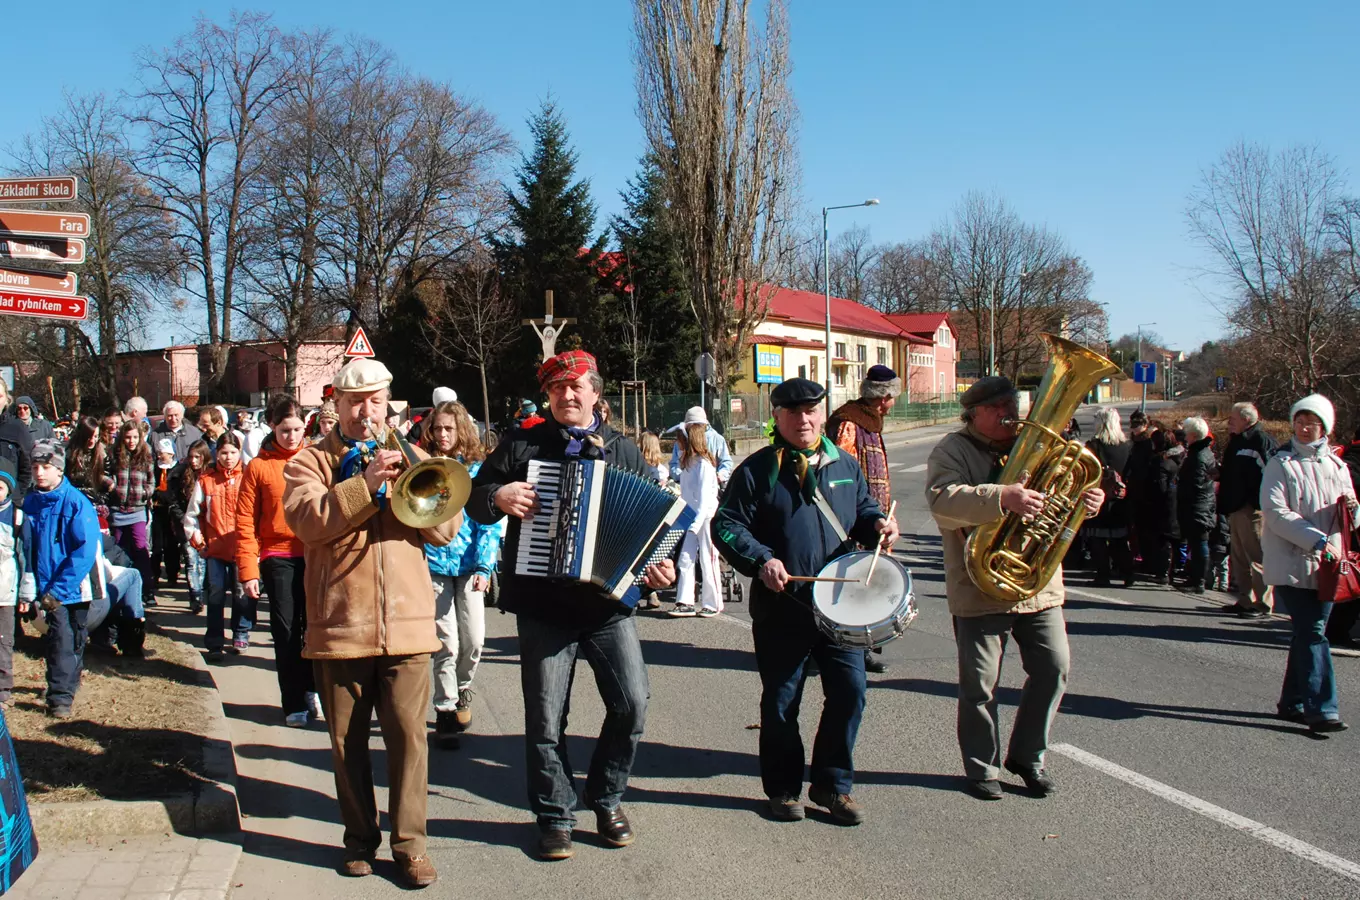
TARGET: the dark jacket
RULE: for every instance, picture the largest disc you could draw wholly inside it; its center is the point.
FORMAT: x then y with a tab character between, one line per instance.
16	445
39	428
1114	514
1244	462
573	605
1195	491
1139	465
1156	500
183	440
758	521
174	498
1350	455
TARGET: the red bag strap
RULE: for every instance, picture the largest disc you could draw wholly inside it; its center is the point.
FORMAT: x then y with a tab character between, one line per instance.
1347	526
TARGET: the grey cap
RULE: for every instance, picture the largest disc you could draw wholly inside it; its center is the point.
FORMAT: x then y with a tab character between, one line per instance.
50	452
988	390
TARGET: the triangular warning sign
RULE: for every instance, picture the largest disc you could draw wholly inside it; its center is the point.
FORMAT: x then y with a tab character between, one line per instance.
359	345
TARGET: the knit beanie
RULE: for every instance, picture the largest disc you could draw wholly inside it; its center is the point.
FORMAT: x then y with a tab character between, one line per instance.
1319	406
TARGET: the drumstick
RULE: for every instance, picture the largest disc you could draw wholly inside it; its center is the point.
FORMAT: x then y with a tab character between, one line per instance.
823	578
879	549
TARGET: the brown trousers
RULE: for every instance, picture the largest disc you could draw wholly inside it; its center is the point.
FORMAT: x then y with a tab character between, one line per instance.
399	688
1244	560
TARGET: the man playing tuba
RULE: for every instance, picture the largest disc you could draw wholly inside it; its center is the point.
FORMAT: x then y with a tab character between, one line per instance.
963	492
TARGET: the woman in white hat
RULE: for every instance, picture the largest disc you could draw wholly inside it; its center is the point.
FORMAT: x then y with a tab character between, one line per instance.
1299	493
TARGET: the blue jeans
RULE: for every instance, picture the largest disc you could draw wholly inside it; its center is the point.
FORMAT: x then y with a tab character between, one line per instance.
221	577
196	573
1309	685
125	595
65	653
783	644
547	666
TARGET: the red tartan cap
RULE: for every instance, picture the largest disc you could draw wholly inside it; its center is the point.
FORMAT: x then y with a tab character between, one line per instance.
567	366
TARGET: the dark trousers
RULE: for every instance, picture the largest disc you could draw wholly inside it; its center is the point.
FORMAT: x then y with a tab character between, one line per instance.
7	614
65	652
281	579
1105	550
398	687
1198	568
167	546
1157	560
783	644
1342	621
547	667
134	542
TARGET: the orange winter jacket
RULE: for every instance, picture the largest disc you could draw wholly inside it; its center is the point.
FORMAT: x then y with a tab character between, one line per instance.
261	531
212	511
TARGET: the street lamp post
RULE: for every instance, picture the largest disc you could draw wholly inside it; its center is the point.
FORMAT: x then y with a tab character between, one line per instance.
1142	406
991	324
826	284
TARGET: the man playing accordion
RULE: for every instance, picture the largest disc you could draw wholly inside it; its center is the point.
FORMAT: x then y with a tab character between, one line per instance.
559	620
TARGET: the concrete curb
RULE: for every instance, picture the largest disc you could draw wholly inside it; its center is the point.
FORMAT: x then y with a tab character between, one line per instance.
211	808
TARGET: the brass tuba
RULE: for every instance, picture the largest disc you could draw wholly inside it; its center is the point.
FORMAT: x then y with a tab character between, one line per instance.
430	491
1011	559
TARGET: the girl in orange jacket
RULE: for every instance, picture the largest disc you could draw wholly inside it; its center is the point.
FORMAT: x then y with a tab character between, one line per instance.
269	558
210	527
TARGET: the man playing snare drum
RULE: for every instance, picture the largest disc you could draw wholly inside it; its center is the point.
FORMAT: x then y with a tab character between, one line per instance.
770	527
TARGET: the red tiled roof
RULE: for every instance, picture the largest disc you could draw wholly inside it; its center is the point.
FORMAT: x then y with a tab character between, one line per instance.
808	308
921	323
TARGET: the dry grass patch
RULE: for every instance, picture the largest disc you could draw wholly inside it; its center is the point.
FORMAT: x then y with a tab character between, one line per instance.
136	730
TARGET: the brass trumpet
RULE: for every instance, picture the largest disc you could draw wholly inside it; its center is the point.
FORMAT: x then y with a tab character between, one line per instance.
428	492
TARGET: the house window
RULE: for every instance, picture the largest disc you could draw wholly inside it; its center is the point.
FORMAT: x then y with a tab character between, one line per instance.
943	338
839	377
813	376
882	356
802	371
861	352
840	350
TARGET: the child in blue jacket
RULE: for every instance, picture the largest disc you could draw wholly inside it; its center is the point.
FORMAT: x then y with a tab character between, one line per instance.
62	549
461	572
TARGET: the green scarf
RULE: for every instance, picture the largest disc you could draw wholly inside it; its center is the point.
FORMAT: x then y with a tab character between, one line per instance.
798	458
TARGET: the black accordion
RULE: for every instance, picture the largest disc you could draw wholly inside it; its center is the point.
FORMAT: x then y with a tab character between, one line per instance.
598	523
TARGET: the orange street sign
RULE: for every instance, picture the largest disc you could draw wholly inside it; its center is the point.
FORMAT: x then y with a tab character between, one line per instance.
42	223
43	306
58	250
63	283
52	189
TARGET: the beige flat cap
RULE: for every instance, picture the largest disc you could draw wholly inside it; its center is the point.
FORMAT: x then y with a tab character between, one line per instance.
359	376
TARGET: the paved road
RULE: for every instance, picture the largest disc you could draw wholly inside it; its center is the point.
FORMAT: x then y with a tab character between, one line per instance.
1176	781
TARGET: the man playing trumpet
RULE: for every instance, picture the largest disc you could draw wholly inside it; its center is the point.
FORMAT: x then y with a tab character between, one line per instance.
962	491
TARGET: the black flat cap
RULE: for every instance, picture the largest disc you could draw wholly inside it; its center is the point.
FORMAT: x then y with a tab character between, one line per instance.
988	390
796	392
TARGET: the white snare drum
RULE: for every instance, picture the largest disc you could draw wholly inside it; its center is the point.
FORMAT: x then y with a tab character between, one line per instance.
855	614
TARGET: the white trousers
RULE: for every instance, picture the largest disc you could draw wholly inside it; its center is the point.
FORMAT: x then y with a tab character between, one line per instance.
460	621
697	552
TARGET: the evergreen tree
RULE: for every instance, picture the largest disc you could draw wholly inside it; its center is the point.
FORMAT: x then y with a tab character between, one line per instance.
548	247
656	323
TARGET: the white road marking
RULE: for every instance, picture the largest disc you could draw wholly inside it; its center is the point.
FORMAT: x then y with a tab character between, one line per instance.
1265	833
728	617
1101	597
917	468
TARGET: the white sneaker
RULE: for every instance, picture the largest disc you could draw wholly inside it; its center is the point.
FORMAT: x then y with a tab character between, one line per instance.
296	720
314	706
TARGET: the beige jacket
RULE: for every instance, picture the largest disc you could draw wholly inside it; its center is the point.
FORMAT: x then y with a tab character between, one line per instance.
1299	491
960	499
368	587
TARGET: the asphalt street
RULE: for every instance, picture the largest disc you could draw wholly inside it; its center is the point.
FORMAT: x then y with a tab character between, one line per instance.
1176	779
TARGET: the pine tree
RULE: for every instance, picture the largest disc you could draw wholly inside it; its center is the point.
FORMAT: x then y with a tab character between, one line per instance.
549	247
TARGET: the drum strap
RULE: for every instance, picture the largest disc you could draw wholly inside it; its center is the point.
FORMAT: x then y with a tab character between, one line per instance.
827	512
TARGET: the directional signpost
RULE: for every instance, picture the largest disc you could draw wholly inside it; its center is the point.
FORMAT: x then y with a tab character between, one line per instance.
44	223
43	305
46	282
45	189
58	250
1144	373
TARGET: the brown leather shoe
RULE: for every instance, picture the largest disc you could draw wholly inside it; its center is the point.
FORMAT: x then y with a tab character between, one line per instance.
357	866
417	871
842	807
613	827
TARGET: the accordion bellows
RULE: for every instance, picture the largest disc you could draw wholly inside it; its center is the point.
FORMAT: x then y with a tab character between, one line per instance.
598	523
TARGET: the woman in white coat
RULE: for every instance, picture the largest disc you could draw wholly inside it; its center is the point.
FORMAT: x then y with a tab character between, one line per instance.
1299	493
698	556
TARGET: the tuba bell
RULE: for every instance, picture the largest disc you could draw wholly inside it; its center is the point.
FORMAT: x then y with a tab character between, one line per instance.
1011	559
428	492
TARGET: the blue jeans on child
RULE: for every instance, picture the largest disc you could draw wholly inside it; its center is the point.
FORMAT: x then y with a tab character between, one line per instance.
221	576
1309	684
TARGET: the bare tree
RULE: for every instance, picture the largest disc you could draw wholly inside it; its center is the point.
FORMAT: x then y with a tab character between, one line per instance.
1273	225
202	102
715	104
853	259
131	258
471	320
905	279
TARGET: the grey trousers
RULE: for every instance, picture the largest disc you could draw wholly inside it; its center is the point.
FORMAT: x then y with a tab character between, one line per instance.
1042	638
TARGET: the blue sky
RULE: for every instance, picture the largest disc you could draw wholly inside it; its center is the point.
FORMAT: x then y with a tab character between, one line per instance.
1093	119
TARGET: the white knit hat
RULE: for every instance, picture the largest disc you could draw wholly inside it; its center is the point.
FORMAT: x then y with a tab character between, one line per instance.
695	415
444	395
1319	406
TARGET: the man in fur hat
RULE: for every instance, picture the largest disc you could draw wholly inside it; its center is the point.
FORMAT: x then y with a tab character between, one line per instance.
857	428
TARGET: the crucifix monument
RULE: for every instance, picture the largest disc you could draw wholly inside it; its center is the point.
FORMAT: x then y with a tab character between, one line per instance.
551	327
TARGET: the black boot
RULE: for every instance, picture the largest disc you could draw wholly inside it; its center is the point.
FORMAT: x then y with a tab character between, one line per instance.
446	730
132	638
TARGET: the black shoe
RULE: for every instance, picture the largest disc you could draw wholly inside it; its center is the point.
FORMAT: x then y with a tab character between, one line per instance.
150	602
985	789
100	648
1128	582
811	669
613	827
1252	613
1101	583
446	730
875	664
555	843
214	656
195	606
1327	726
1291	715
1037	781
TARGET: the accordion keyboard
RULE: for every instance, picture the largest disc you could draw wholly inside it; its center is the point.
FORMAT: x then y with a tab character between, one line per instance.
539	532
